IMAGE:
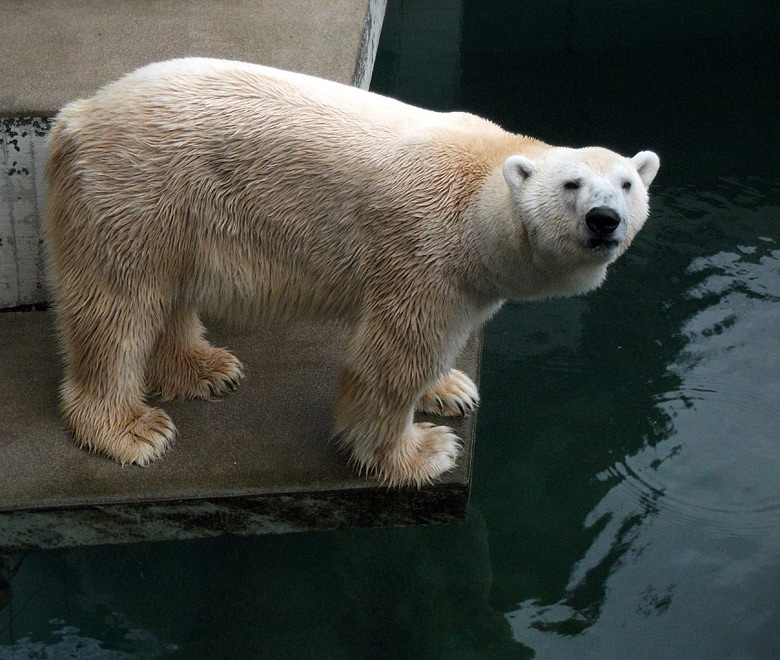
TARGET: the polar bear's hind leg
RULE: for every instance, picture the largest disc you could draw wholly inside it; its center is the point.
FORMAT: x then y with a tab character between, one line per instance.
185	365
103	391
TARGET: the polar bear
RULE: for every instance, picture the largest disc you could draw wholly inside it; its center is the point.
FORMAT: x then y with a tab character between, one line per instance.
206	186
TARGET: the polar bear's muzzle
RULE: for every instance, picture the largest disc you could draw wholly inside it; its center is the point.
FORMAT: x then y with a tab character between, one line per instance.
603	223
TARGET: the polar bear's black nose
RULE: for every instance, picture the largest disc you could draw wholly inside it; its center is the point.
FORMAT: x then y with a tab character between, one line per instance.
602	220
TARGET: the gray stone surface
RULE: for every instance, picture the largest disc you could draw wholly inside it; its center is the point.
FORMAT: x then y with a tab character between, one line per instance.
240	515
22	195
267	443
55	51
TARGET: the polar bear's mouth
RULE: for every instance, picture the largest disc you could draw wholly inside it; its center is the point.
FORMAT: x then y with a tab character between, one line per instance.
601	245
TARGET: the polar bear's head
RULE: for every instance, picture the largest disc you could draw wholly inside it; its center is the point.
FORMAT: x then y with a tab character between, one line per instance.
580	209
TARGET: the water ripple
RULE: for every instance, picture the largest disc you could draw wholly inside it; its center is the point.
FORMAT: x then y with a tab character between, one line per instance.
737	513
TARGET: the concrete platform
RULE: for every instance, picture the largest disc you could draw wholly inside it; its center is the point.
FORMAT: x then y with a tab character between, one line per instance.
260	460
257	461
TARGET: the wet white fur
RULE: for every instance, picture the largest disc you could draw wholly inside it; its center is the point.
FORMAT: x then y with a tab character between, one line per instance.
204	186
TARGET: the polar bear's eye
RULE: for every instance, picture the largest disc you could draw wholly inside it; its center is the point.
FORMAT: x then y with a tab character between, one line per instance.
572	185
626	185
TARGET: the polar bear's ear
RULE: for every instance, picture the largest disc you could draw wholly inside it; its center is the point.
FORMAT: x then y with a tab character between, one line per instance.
647	164
516	170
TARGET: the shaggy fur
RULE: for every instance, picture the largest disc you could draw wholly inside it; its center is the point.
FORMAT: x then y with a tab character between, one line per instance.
204	186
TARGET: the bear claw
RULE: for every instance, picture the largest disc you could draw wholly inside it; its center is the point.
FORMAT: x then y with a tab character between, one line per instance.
455	395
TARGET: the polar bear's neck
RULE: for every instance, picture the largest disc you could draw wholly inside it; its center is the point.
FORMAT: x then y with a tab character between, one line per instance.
500	245
505	261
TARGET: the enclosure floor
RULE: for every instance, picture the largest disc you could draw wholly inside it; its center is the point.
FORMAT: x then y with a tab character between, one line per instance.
269	438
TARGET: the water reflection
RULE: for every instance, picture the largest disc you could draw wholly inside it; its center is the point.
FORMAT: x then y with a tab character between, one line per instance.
375	593
67	642
680	509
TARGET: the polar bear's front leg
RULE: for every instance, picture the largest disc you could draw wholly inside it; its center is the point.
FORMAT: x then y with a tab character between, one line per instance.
380	384
454	395
398	454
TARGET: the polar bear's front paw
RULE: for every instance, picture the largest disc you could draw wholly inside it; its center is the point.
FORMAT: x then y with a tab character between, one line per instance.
427	452
454	395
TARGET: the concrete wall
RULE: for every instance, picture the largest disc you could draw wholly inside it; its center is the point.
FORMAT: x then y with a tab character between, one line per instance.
22	193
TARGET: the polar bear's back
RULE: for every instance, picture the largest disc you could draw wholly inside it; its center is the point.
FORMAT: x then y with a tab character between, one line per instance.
236	177
203	101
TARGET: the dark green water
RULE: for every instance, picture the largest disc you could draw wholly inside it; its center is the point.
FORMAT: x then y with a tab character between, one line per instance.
626	498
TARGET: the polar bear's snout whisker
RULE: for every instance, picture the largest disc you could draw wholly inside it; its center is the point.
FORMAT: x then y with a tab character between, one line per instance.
603	220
